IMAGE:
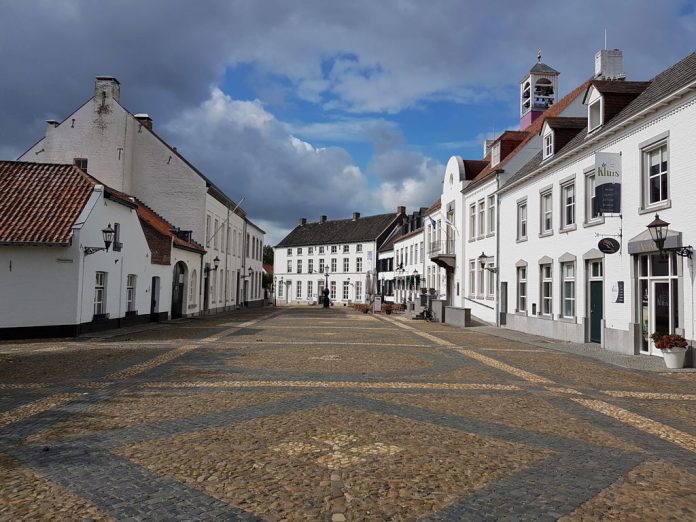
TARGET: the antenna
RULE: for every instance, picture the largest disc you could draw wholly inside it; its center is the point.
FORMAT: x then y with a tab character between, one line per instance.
605	38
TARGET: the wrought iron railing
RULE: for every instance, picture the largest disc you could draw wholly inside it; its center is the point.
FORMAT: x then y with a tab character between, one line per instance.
442	247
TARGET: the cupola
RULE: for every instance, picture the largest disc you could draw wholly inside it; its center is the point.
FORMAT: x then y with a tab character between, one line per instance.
538	91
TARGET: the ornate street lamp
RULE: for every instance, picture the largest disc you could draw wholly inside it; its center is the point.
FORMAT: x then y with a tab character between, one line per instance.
482	259
108	237
658	229
216	264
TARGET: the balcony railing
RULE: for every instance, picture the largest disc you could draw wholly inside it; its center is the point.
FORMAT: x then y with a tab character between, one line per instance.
443	247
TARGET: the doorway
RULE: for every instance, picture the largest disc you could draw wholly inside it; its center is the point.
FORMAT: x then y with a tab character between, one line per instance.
659	298
595	271
154	299
178	285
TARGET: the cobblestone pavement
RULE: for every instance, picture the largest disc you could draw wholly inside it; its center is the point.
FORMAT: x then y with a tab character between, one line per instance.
331	415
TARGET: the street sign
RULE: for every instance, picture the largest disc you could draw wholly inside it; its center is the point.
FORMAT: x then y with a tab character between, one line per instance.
607	196
609	245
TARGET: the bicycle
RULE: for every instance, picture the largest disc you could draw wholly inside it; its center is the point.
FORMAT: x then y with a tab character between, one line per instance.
428	315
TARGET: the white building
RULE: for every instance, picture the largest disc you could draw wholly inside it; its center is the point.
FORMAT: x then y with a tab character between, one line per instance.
339	253
61	279
554	279
122	151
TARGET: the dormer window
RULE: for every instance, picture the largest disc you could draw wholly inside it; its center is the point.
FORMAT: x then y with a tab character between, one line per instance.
548	145
594	115
495	154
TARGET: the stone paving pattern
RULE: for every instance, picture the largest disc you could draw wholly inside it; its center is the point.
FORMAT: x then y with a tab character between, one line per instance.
330	415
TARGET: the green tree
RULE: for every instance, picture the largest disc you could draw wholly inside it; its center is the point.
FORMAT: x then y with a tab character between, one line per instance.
268	254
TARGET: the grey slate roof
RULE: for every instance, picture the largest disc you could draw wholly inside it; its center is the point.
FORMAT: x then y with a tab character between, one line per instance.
367	228
543	69
668	81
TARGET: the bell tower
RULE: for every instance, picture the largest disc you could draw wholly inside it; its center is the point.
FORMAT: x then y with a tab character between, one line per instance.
538	91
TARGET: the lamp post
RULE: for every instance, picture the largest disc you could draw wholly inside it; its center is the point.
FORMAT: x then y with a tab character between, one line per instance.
658	232
108	237
216	264
399	274
482	259
275	289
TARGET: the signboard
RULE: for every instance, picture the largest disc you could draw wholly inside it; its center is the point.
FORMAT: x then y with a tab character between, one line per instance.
609	245
377	304
607	196
617	292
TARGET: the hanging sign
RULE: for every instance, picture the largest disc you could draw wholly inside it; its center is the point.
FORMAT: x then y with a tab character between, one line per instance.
609	245
607	196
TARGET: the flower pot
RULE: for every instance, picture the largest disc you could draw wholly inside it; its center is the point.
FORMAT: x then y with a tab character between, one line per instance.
674	357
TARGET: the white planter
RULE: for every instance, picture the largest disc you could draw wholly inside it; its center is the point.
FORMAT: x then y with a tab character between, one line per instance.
674	357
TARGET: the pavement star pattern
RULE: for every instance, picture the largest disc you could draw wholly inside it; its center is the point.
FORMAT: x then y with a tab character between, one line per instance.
312	414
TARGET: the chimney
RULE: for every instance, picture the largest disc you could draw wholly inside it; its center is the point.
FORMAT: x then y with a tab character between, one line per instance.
108	85
303	221
401	210
608	65
487	147
356	216
322	219
144	120
51	124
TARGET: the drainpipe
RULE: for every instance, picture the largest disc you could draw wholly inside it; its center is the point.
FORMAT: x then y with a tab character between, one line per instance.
497	246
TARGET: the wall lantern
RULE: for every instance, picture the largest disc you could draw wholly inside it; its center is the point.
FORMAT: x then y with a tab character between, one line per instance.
216	264
658	229
108	236
482	259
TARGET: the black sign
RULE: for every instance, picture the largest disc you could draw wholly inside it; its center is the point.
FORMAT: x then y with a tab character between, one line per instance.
609	245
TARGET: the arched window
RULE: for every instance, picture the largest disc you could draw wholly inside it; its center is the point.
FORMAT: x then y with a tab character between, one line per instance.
192	288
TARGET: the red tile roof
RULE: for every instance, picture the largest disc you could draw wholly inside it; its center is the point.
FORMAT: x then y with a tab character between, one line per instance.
533	130
39	202
163	227
268	268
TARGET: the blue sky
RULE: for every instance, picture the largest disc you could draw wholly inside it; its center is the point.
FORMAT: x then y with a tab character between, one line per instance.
317	107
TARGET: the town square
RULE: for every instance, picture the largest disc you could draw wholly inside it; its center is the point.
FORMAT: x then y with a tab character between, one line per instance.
317	260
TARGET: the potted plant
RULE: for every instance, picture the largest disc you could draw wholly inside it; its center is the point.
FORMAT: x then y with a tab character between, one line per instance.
673	348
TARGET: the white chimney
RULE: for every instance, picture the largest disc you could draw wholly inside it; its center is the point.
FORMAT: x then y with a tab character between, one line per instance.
609	65
109	85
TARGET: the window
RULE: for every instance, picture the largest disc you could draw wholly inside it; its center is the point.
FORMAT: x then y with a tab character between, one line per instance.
215	235
117	245
320	287
358	247
595	115
358	264
568	287
481	279
334	249
490	283
280	289
346	249
332	290
655	163
207	231
222	287
546	213
310	289
410	249
289	266
491	214
100	293
298	290
213	286
192	288
310	266
299	266
495	154
130	292
548	145
346	290
321	249
358	290
472	277
472	221
416	254
81	163
333	265
299	251
422	250
310	250
346	264
596	269
522	221
321	266
546	290
568	203
522	289
289	251
591	210
247	245
481	218
230	246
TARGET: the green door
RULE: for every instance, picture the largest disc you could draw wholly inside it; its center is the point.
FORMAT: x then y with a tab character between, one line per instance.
596	311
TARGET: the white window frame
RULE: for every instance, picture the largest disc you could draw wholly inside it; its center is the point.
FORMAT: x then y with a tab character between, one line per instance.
346	290
548	144
346	249
647	176
332	290
131	282
522	225
334	249
490	280
358	247
299	266
334	265
482	218
568	278
472	278
472	221
546	217
522	290
310	289
567	207
310	266
100	282
321	249
491	214
346	264
590	180
298	290
358	264
591	124
321	265
358	291
546	290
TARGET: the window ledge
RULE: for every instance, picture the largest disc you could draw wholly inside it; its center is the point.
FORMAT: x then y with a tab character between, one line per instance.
568	229
471	240
521	240
593	223
546	234
545	317
658	206
490	298
490	234
571	320
522	313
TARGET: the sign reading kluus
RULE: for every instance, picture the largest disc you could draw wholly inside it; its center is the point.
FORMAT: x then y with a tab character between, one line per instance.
607	194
